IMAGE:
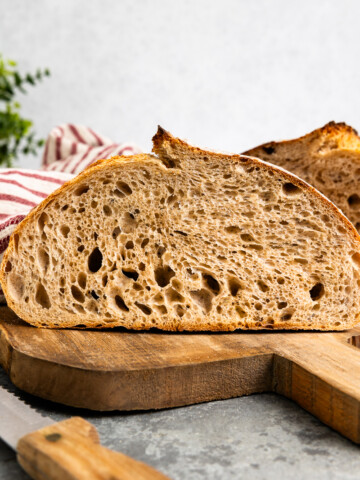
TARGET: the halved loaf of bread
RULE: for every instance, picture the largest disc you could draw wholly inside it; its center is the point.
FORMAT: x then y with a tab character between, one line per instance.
185	240
328	159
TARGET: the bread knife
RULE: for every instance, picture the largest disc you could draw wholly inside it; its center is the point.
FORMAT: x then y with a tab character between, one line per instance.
67	450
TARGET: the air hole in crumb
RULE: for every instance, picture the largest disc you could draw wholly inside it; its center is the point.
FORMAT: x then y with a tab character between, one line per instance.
42	297
203	298
43	220
64	230
161	309
124	188
144	242
211	283
234	286
116	232
302	261
142	266
8	266
144	308
282	305
94	204
269	149
94	295
354	201
82	189
356	259
246	237
180	310
95	260
43	258
130	274
173	296
317	291
81	248
287	316
107	210
128	222
240	311
104	280
171	199
77	294
163	275
16	286
181	233
281	280
161	250
290	189
118	193
79	308
113	266
258	306
262	285
176	284
129	245
232	229
121	304
82	279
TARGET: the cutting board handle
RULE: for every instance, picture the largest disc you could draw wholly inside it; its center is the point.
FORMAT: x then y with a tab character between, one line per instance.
322	376
71	450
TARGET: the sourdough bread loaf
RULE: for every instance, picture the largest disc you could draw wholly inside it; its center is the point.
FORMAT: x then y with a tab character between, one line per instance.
185	240
328	159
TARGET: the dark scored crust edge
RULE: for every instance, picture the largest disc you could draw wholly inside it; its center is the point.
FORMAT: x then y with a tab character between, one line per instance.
330	129
159	139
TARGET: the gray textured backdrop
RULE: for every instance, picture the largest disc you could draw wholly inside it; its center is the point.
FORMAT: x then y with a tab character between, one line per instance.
225	74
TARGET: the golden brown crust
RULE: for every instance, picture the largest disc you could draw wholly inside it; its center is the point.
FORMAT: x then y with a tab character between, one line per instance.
346	133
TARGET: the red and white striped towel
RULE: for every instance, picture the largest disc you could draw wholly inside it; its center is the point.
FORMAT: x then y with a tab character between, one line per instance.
68	150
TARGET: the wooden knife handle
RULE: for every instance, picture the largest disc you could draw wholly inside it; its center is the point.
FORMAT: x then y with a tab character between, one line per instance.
71	450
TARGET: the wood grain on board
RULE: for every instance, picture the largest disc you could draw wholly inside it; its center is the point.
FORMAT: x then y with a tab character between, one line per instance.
122	370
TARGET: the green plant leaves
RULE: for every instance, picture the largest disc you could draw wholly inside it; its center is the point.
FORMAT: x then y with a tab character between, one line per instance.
16	134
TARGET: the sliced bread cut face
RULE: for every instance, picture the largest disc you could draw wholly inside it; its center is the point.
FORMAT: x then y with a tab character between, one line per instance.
191	240
328	159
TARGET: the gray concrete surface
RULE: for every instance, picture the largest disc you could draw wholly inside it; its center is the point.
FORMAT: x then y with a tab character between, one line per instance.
227	74
261	437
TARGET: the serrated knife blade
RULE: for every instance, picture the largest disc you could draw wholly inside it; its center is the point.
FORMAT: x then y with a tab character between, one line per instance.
68	449
17	419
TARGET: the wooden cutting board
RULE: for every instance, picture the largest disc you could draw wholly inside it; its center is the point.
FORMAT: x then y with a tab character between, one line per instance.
121	370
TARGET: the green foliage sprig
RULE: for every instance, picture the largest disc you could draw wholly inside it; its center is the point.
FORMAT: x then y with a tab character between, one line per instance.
16	133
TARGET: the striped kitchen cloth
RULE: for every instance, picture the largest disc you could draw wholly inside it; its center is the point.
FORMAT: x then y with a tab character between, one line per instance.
68	150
